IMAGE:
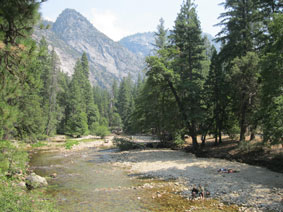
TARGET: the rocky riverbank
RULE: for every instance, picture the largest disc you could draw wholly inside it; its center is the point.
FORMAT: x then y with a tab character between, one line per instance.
252	188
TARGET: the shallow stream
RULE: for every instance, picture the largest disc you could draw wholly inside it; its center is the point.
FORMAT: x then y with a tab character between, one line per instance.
85	181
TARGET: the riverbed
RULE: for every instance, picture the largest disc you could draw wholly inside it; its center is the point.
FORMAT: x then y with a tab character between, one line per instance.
90	179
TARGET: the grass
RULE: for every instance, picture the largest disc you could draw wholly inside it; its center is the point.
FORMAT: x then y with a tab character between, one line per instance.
13	166
15	199
39	144
70	143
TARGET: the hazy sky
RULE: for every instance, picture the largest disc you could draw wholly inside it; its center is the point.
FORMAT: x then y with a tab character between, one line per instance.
119	18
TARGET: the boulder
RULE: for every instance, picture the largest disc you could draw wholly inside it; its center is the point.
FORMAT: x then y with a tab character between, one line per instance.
35	181
21	184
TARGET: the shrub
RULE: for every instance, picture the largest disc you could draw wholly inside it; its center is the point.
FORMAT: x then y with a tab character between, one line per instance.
102	131
124	144
12	159
70	143
39	144
178	140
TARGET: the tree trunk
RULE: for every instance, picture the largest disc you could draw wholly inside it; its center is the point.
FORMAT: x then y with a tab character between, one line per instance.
195	141
215	139
253	131
220	136
243	126
203	138
252	136
243	132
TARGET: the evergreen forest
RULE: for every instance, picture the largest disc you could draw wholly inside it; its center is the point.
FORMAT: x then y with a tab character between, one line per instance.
188	88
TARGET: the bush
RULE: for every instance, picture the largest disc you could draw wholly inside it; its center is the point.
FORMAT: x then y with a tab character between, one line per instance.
39	144
12	159
70	143
124	144
178	140
100	130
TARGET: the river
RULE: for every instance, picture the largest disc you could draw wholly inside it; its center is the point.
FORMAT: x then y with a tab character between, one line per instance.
85	181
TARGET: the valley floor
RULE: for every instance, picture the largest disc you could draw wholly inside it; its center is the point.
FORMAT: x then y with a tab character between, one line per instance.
252	188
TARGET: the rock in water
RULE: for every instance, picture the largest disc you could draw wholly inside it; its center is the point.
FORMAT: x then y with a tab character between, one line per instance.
35	181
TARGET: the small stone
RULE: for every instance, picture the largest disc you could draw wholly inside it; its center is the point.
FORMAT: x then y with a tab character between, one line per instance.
54	175
22	184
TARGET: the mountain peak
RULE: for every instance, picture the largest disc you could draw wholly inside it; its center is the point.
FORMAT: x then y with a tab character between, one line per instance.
71	23
69	11
72	34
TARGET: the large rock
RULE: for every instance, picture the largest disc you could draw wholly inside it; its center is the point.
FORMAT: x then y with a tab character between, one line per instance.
35	181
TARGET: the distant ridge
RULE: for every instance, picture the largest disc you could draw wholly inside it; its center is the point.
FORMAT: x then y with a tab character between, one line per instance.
141	43
72	34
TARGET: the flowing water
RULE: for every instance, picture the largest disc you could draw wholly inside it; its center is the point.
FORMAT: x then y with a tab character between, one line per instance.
85	181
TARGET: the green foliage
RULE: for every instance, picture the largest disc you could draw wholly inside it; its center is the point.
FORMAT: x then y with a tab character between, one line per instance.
124	144
70	143
13	198
161	39
245	77
178	140
100	130
76	117
125	101
273	125
240	28
116	120
17	58
39	144
272	88
188	85
12	159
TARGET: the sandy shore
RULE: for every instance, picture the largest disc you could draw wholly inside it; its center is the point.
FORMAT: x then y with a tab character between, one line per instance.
252	186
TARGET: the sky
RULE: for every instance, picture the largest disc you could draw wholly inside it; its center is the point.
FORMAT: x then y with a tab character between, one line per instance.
120	18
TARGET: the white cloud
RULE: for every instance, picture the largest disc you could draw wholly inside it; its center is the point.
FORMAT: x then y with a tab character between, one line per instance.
107	22
48	18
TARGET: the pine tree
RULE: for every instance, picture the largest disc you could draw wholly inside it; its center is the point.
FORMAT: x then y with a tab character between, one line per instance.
76	117
16	24
245	73
114	117
272	84
240	29
161	39
91	108
62	99
16	52
216	97
186	37
31	119
240	36
124	99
